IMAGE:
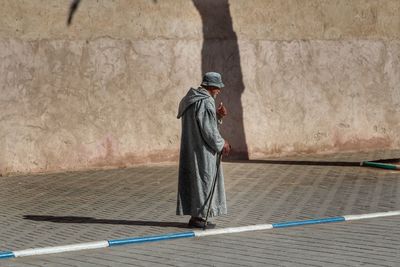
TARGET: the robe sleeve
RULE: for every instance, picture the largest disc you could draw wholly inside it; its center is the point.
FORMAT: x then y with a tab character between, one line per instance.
207	121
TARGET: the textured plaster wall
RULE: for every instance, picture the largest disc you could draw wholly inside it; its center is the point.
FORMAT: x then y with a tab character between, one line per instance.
316	76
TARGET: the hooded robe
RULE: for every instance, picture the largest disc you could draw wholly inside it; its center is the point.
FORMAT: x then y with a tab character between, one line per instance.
201	142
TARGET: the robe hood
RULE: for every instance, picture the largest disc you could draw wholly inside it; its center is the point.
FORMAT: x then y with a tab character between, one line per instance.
191	97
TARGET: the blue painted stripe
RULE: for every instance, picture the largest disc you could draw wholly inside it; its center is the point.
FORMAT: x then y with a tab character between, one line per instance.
11	254
305	222
6	254
144	239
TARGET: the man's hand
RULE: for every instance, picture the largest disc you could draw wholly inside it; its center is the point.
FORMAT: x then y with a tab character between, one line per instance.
227	148
221	111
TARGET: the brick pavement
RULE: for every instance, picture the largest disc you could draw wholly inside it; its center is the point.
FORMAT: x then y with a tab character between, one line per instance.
65	208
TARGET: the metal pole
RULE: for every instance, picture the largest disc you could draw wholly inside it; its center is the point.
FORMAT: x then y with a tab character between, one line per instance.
380	165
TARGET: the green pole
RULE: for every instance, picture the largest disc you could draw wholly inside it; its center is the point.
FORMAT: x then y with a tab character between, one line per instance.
380	165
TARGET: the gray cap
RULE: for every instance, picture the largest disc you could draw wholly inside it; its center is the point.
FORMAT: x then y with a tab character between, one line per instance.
212	79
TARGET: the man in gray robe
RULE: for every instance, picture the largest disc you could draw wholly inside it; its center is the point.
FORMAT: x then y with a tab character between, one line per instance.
201	144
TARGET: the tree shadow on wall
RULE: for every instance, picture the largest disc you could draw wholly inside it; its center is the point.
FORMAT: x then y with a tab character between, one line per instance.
73	7
220	53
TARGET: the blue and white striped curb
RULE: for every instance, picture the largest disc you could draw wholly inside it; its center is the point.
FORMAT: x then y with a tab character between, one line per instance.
199	233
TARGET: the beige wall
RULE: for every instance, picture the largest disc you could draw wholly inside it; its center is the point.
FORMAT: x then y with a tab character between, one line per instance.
303	76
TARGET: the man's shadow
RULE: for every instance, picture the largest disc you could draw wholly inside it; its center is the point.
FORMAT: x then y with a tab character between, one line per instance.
90	220
220	53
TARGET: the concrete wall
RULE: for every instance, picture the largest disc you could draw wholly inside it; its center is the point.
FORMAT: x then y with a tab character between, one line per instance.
302	76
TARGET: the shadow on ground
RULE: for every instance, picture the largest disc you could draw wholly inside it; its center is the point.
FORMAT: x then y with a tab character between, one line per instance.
90	220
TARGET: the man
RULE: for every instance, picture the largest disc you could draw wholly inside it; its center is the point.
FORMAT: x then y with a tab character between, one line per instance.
201	144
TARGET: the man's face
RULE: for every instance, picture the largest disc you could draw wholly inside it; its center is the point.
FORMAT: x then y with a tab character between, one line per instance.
214	91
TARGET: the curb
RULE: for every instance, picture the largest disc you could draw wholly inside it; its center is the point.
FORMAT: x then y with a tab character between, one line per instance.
199	233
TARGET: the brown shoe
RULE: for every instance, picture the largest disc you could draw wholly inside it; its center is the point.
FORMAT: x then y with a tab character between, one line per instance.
209	225
200	223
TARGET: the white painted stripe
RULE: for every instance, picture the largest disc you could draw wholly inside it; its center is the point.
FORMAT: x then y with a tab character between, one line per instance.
371	215
233	230
58	249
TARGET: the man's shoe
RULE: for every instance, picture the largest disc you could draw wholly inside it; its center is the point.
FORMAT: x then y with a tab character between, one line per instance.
200	223
196	223
209	225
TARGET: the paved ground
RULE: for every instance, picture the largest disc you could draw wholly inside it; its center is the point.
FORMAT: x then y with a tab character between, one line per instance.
66	208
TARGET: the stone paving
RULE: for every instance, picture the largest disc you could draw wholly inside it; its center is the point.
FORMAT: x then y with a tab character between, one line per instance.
74	207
